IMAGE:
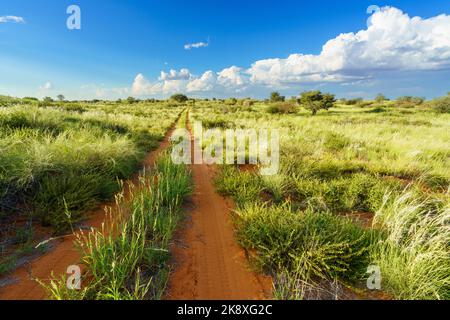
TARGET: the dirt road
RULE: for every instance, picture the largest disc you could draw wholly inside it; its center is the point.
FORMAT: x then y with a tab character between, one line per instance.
64	254
208	262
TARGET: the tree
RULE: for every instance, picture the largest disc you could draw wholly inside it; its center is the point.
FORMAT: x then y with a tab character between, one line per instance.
180	98
316	100
48	99
131	100
61	97
380	98
276	97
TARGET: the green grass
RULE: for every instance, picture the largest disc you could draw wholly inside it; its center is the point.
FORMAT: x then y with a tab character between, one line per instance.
388	161
60	162
414	258
128	261
308	244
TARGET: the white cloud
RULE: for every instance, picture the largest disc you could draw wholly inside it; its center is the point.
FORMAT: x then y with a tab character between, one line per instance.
231	77
183	74
47	86
206	82
196	45
141	86
392	42
12	19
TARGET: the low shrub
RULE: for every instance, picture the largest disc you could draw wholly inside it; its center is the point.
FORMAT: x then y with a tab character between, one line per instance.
308	243
282	108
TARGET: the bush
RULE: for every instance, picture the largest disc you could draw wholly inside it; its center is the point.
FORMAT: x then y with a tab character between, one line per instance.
231	101
282	108
352	102
441	105
313	244
364	104
409	101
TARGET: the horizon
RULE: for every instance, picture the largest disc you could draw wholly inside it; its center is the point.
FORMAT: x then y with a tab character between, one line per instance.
225	49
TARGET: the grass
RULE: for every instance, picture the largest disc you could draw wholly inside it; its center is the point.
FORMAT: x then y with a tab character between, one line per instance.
57	161
414	257
128	260
389	162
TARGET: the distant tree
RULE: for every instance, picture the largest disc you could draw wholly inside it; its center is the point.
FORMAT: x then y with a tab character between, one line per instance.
47	99
380	98
61	97
276	97
131	100
180	98
316	100
31	98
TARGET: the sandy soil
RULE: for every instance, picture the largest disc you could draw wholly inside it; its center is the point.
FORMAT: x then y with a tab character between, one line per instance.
22	284
208	262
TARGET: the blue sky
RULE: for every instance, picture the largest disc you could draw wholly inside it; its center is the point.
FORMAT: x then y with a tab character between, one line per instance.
123	46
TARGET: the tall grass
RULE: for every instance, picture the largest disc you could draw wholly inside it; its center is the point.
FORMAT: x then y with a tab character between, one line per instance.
55	161
339	163
127	259
415	256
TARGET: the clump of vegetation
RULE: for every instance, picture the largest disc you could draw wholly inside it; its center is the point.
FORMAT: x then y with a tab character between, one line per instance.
414	257
309	244
409	101
351	102
441	105
231	101
282	108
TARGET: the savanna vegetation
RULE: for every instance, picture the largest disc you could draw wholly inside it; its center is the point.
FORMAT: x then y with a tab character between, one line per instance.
361	183
59	160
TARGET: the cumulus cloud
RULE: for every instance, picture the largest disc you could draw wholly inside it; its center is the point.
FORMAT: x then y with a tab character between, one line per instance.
196	45
206	82
393	41
11	19
231	77
183	74
47	86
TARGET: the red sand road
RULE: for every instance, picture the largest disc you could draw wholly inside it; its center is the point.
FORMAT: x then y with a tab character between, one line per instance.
64	254
209	264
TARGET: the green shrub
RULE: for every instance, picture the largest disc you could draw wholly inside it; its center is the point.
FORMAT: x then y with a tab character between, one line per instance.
282	108
441	105
310	243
